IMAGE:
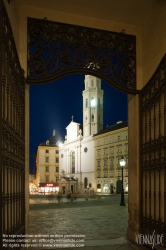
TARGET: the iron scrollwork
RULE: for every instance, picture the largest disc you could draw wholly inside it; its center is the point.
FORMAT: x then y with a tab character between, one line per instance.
56	49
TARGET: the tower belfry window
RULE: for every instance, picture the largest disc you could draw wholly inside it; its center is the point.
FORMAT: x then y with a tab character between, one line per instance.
86	103
98	102
92	117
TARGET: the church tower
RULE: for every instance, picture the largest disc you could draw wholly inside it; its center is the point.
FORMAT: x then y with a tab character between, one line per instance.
92	106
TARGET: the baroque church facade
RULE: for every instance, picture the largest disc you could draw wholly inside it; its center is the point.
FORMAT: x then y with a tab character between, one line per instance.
76	155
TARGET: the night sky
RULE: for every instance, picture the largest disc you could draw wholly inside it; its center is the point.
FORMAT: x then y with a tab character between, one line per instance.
53	104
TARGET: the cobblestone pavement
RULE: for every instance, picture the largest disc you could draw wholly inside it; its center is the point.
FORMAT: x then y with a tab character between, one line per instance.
99	223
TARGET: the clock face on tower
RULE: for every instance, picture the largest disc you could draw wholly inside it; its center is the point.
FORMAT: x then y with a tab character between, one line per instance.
85	150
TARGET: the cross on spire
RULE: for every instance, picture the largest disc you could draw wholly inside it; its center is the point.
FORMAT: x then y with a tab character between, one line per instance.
72	118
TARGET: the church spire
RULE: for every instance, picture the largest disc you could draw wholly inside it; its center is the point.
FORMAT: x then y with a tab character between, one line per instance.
92	106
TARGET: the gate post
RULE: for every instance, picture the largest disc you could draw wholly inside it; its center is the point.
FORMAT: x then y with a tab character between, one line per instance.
27	158
1	33
133	168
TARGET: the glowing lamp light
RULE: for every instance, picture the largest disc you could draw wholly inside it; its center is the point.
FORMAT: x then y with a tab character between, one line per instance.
122	162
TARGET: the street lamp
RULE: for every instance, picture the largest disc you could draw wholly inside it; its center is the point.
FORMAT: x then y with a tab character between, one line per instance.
122	164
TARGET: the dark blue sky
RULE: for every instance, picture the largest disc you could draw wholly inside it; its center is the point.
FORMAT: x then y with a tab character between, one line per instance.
53	104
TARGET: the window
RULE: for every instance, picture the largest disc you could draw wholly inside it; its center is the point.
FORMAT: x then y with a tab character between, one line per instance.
118	160
112	150
126	136
111	173
73	162
119	149
105	141
98	152
56	151
47	169
98	186
57	160
47	178
98	102
57	178
112	161
105	151
92	83
47	159
118	137
98	163
47	151
126	159
92	117
111	139
57	169
86	103
85	182
47	142
98	143
127	172
86	119
119	173
126	147
98	174
105	162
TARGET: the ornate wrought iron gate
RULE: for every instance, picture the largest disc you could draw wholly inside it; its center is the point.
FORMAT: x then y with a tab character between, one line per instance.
57	49
153	153
12	135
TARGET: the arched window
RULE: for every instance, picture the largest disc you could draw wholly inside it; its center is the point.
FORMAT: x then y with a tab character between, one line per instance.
92	83
98	186
92	117
73	162
85	182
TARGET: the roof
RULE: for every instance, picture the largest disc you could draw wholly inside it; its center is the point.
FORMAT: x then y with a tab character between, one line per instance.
52	142
69	178
112	128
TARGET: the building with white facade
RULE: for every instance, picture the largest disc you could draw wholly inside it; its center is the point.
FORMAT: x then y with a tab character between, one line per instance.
47	165
76	161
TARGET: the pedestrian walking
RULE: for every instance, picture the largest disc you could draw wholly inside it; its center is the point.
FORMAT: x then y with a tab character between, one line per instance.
75	195
59	197
69	197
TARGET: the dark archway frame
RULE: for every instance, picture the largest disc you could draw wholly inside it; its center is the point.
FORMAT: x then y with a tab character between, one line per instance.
57	49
